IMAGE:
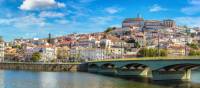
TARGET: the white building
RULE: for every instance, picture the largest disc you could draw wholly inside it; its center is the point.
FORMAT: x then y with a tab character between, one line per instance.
106	43
89	54
48	53
1	51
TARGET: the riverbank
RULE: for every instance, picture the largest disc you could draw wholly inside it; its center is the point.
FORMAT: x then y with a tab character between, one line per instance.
71	67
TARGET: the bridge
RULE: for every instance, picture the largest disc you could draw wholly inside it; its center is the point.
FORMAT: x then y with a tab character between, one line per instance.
161	69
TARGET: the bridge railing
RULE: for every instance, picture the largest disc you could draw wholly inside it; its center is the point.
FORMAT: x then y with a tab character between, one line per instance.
151	58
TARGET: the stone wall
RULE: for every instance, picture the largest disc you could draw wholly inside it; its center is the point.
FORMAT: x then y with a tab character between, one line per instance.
43	67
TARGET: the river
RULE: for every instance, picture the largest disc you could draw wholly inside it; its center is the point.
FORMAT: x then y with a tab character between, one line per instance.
28	79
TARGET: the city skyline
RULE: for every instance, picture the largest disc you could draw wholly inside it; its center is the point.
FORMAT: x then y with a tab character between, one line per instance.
28	19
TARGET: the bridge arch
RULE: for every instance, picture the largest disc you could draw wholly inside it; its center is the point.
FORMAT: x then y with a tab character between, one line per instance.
179	67
93	65
108	66
133	66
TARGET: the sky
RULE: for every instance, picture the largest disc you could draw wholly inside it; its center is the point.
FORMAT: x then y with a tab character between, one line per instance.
38	18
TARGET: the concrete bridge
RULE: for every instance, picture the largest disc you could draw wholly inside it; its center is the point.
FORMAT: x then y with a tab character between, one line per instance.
173	69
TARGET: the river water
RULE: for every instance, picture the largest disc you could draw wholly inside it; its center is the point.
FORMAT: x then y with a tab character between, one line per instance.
28	79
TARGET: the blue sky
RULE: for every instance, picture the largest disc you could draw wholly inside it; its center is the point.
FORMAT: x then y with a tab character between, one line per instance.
37	18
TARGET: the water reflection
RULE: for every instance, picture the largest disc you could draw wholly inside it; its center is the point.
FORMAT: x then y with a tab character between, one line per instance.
23	79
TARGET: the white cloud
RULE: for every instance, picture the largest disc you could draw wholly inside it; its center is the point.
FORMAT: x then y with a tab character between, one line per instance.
194	7
116	25
194	2
62	21
50	14
157	8
40	4
191	10
23	21
102	20
112	10
189	21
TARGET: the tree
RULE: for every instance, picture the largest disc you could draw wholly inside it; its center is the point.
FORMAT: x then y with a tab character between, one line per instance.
62	53
36	57
131	40
144	52
109	29
127	33
137	45
17	46
163	52
193	46
194	53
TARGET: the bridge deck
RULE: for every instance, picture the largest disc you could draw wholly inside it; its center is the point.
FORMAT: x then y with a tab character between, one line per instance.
150	58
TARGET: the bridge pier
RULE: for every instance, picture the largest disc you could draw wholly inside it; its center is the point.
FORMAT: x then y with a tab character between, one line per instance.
172	75
136	72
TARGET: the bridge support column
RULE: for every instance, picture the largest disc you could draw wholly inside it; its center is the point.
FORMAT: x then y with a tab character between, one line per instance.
171	75
136	72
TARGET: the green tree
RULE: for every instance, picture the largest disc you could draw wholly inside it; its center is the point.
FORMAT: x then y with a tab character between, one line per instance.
194	53
62	53
144	52
36	57
137	45
17	46
109	29
131	40
163	52
193	45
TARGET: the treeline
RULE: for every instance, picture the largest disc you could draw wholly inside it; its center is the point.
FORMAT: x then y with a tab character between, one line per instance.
194	49
144	52
194	53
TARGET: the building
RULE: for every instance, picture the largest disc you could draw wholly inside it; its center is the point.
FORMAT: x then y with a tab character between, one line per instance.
152	24
10	53
89	54
48	52
147	24
177	50
106	43
1	51
169	23
131	22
